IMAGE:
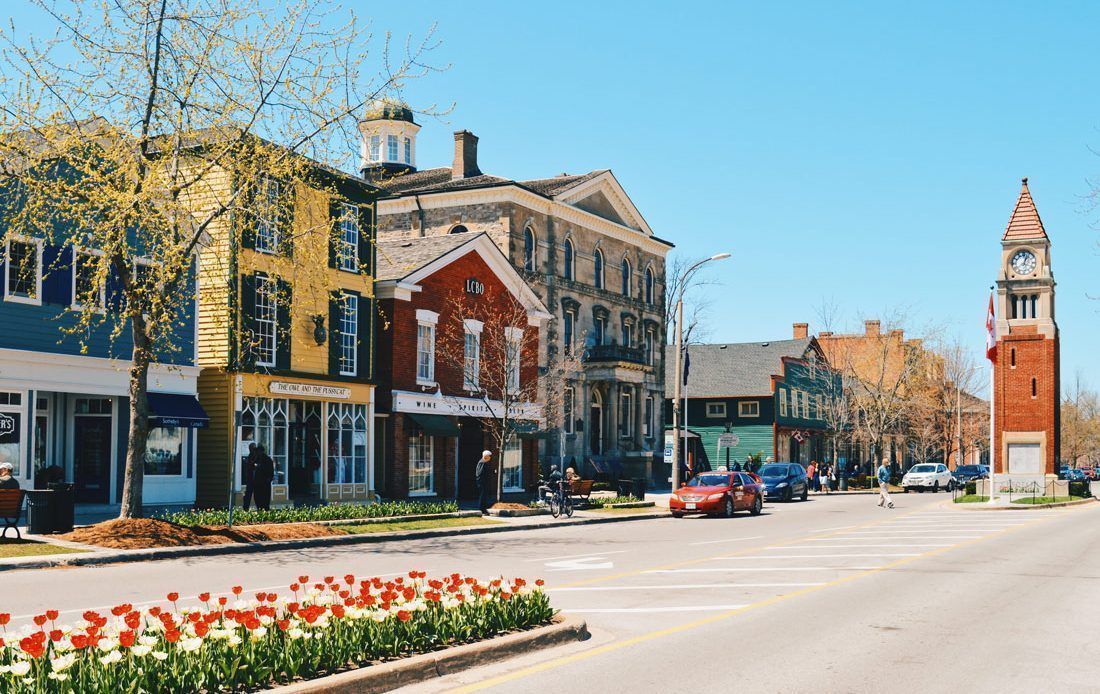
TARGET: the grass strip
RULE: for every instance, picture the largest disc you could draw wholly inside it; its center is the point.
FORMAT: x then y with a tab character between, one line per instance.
30	548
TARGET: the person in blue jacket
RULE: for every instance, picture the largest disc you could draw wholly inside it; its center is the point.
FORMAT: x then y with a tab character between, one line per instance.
883	475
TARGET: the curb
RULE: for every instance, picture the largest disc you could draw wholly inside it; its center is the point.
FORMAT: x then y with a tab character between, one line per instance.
980	506
633	504
518	513
428	666
133	555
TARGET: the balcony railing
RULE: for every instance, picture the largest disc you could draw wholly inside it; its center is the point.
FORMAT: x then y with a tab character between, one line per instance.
606	353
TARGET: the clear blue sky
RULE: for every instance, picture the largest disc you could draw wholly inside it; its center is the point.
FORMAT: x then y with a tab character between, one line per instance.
851	151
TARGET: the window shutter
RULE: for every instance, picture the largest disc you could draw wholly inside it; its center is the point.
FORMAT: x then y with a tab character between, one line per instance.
284	336
365	363
366	233
57	280
246	215
333	230
247	307
286	217
334	305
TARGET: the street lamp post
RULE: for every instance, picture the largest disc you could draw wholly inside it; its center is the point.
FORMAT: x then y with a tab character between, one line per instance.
680	365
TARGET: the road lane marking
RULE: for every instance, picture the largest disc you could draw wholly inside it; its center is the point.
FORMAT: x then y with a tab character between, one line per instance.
732	539
579	556
646	610
588	563
907	544
776	569
821	556
684	586
688	626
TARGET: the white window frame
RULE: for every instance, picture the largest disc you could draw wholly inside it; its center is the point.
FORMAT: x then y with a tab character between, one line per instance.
716	410
375	148
76	305
349	339
511	459
347	417
38	243
347	257
599	332
471	361
513	345
569	409
391	147
270	289
748	408
782	402
419	471
408	150
426	320
23	456
268	227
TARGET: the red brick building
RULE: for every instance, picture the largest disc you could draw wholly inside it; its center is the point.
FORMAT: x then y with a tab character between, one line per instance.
1026	388
458	337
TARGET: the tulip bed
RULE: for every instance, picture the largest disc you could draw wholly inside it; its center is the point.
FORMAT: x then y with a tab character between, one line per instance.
230	644
307	514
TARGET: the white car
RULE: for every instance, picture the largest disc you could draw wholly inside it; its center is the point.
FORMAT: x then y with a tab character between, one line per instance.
928	476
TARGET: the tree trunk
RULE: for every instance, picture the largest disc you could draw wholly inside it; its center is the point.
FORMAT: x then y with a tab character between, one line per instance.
134	480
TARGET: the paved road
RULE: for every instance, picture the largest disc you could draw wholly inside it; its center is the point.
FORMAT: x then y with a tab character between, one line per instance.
830	595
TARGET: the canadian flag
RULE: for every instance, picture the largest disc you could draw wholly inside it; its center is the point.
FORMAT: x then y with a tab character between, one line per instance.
991	333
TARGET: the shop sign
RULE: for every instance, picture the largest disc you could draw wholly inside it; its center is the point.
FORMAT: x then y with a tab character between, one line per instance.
9	428
314	390
728	440
475	287
670	445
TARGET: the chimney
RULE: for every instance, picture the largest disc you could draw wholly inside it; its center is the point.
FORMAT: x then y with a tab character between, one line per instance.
825	333
871	328
465	163
801	331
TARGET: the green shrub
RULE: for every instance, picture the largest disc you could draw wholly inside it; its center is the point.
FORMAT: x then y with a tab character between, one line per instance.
1080	489
971	487
601	487
306	514
601	501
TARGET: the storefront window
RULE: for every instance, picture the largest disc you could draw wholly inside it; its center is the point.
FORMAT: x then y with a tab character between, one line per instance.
264	421
421	469
41	432
347	443
164	451
512	465
11	428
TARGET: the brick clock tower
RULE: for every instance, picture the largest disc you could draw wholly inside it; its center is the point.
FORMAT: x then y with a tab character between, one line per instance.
1026	389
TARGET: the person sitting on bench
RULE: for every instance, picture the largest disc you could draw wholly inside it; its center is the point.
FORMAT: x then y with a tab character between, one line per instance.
6	479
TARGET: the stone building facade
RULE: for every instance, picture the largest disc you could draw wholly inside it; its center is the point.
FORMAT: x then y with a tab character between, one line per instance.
590	256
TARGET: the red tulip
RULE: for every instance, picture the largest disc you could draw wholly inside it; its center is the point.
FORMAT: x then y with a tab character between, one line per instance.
51	615
4	618
126	638
171	636
173	596
403	615
56	635
349	579
237	590
39	619
32	647
222	600
79	641
303	579
294	587
204	597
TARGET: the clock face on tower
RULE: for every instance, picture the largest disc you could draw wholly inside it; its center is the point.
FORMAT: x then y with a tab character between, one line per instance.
1023	262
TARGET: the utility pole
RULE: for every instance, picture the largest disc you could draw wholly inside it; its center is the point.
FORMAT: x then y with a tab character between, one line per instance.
680	365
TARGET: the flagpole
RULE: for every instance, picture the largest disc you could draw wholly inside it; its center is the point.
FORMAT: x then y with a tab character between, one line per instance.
992	429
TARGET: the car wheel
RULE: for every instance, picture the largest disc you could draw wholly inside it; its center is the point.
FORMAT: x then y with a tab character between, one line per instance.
936	487
805	494
728	508
788	495
757	506
677	514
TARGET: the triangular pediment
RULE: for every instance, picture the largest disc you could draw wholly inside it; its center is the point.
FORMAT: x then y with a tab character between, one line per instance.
604	197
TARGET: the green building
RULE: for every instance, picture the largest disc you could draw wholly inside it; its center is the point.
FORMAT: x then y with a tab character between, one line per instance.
771	396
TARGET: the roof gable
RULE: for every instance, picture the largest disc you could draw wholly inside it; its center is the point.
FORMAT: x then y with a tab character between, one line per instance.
1024	222
603	195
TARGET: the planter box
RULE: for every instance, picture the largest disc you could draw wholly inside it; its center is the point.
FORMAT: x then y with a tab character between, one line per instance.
518	513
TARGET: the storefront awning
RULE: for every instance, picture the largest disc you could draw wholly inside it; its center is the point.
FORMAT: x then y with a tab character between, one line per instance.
172	410
529	430
434	424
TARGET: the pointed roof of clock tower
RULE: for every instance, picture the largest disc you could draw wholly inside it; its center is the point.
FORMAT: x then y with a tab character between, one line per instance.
1025	222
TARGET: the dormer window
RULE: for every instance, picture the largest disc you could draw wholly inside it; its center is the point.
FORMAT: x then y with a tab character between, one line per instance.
391	147
408	151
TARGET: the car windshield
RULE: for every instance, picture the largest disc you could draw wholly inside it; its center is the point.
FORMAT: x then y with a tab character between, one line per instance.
711	480
773	471
968	469
923	468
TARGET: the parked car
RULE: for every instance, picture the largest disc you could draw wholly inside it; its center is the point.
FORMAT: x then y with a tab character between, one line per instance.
1073	475
785	481
969	473
715	493
934	476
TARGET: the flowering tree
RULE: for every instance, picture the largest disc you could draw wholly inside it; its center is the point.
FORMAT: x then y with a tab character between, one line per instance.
141	127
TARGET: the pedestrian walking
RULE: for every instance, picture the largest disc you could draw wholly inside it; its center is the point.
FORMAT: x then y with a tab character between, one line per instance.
824	475
248	473
832	477
811	474
485	482
262	477
883	475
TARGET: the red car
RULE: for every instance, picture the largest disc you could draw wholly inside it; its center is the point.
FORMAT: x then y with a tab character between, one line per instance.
717	493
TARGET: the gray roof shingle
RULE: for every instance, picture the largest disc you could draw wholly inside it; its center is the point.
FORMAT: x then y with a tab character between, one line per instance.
439	180
742	368
398	258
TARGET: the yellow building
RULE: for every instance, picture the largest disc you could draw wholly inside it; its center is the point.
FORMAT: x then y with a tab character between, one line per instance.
285	336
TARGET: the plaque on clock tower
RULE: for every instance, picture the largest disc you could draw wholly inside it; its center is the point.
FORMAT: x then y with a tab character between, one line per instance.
1026	379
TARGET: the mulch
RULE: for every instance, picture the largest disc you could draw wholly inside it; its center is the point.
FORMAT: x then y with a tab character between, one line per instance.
143	533
509	505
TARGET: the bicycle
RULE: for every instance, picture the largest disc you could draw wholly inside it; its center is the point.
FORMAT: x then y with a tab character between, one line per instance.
559	501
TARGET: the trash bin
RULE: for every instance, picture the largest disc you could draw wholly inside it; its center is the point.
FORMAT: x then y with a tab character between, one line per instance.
625	487
40	511
64	505
640	485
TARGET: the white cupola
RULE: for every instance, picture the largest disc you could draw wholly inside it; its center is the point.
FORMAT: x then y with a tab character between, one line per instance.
388	139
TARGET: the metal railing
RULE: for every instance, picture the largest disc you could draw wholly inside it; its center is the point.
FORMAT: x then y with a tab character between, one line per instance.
603	353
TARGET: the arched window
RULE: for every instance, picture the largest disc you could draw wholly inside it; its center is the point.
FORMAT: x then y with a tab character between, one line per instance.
649	285
458	229
567	252
528	249
597	266
627	273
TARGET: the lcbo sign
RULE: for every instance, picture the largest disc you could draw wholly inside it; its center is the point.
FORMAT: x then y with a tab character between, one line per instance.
474	287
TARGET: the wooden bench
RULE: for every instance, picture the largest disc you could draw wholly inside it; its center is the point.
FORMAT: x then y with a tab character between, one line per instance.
11	508
581	489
